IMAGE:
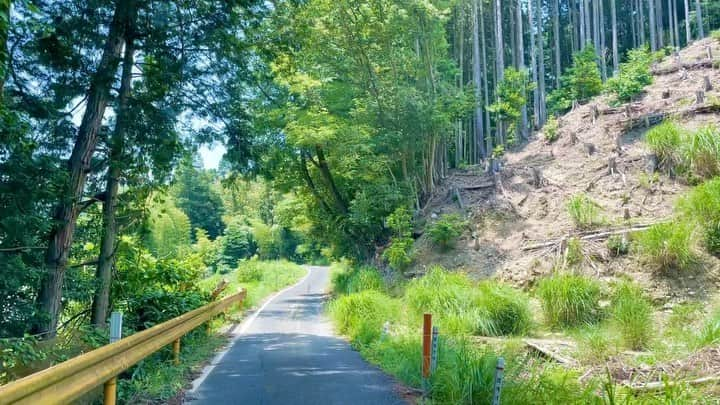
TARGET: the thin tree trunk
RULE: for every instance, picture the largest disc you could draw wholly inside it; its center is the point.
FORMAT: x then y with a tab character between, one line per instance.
659	21
688	32
460	40
698	15
641	12
671	29
601	29
66	212
653	26
339	202
477	80
613	13
575	32
583	23
106	260
521	67
675	24
534	65
541	64
556	34
499	64
633	24
4	56
486	86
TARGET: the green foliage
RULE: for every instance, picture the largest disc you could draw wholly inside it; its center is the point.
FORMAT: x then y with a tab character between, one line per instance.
633	76
715	35
618	245
445	231
198	200
361	316
668	246
584	212
665	140
511	95
570	300
249	271
551	129
709	333
595	344
632	314
702	207
580	82
398	253
238	243
169	229
702	152
574	252
504	310
349	280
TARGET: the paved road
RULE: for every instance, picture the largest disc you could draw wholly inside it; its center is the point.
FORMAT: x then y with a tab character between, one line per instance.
289	355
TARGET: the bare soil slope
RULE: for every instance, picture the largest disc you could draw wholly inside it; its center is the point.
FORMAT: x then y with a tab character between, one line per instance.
600	152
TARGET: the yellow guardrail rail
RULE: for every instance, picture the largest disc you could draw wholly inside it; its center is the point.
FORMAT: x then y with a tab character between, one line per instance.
71	379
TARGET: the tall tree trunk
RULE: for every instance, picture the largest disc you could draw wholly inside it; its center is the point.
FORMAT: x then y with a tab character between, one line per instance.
340	205
534	64
541	65
106	260
698	15
521	66
675	24
601	33
499	64
659	21
4	55
583	23
613	15
671	28
575	32
653	25
556	35
633	24
688	32
66	212
459	48
641	12
486	87
477	81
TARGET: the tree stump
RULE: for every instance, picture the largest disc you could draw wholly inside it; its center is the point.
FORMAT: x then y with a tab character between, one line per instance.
700	97
573	138
612	165
589	148
618	143
666	94
595	113
626	213
683	74
628	110
709	52
651	163
537	179
707	85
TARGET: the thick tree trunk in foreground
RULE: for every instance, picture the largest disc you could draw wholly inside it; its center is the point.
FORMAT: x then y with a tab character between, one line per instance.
66	212
106	260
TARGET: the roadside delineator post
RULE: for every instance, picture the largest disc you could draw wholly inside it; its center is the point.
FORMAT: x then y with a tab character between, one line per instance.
110	386
499	371
434	350
427	344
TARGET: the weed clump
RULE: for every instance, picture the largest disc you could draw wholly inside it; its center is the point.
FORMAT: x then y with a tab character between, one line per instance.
668	245
632	314
584	212
551	129
570	300
665	141
702	207
445	231
361	316
618	245
506	311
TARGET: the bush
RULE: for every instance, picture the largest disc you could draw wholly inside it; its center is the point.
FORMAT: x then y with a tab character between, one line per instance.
361	316
550	131
633	315
715	35
249	271
445	231
668	245
349	280
398	253
665	141
633	76
570	300
709	334
712	240
702	151
504	310
618	245
574	252
702	207
584	212
580	83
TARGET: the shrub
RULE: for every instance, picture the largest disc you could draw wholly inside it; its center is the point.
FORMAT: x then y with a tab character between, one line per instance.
361	316
702	204
550	131
398	356
569	300
505	310
250	271
584	212
398	253
712	240
349	280
445	231
665	141
702	151
633	76
632	314
618	245
574	252
668	245
581	82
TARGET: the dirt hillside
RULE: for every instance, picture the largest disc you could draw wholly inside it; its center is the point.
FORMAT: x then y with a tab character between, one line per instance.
599	152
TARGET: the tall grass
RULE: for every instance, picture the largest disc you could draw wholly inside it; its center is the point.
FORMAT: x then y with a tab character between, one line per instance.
570	300
632	314
347	280
668	246
361	316
709	333
702	207
665	140
703	152
506	311
584	212
695	154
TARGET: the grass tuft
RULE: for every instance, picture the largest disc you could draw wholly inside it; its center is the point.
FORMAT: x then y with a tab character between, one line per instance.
584	212
632	314
361	316
665	141
668	246
570	300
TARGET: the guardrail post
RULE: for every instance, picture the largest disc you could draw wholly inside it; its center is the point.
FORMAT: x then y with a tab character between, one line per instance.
110	386
426	342
434	351
176	351
497	388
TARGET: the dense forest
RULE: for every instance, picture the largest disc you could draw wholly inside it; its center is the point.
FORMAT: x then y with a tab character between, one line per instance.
339	119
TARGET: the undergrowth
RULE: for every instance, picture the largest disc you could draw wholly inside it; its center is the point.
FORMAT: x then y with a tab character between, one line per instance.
668	246
632	315
569	300
583	211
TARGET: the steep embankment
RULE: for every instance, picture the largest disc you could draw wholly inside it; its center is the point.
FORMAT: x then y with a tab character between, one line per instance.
519	218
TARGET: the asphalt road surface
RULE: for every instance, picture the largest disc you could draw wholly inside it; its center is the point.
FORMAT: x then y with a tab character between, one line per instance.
286	353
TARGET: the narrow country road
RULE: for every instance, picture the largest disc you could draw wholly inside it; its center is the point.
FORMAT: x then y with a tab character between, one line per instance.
287	354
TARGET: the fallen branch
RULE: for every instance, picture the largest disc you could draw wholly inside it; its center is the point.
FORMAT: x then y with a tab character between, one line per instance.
703	64
549	354
659	385
595	235
479	186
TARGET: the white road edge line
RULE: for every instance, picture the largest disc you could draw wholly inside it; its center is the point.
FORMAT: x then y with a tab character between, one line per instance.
237	333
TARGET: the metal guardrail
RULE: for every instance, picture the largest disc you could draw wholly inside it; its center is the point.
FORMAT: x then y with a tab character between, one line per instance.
71	379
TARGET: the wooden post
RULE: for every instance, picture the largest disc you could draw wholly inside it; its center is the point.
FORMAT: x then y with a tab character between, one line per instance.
176	351
426	347
110	386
